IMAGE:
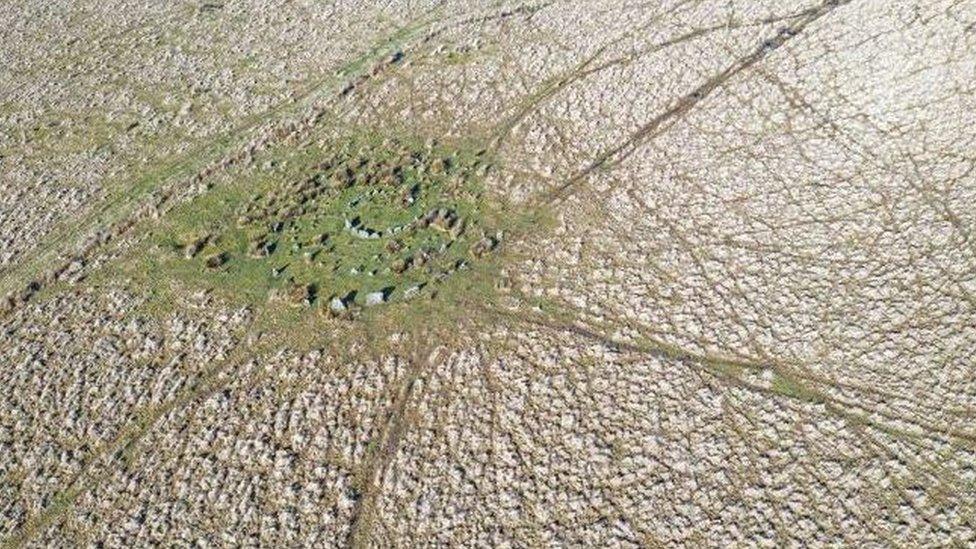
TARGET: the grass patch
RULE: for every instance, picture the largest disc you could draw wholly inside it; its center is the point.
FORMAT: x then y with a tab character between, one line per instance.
792	388
341	226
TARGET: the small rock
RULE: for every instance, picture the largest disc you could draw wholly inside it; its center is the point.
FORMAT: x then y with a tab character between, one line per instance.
262	248
483	246
73	273
302	294
374	298
424	221
458	229
412	291
377	298
442	220
340	305
193	248
217	260
409	195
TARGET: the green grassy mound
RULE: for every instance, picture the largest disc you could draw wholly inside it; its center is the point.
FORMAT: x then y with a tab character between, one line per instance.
335	226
